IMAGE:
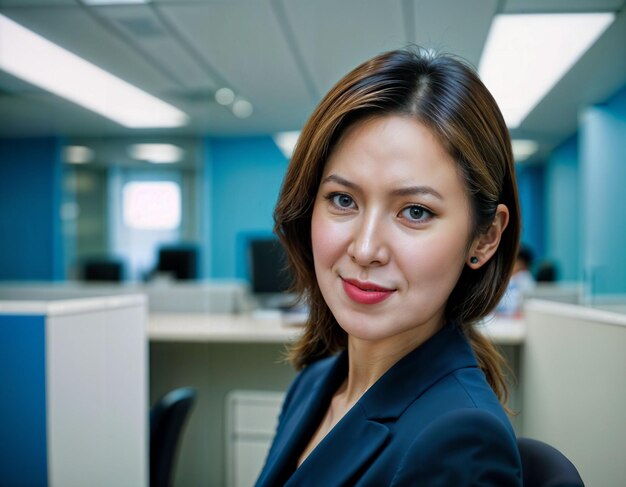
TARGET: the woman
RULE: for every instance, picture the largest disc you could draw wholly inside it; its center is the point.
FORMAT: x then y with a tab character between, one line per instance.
400	218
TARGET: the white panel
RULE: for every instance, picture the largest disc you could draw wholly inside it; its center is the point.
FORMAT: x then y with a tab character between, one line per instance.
250	460
456	27
574	387
251	418
257	416
96	372
244	42
336	36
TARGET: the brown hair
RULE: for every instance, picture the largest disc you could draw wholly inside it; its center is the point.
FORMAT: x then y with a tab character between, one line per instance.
447	96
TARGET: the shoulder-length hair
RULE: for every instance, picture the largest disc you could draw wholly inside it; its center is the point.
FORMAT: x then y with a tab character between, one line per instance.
447	96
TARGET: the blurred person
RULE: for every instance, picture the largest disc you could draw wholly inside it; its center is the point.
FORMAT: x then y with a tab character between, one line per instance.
521	282
400	219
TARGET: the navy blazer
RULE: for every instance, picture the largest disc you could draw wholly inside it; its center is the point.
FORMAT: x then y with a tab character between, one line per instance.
430	420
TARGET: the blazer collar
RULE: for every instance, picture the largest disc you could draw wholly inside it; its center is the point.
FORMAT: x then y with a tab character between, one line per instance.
443	353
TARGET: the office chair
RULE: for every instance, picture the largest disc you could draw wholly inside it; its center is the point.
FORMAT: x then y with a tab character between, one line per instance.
167	418
545	466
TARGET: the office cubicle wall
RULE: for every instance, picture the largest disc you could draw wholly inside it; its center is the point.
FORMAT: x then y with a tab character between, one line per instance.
217	296
574	381
74	385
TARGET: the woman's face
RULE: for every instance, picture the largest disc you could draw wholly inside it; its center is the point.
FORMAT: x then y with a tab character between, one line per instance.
390	230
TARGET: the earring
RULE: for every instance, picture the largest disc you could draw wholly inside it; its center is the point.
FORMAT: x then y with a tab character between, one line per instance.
474	260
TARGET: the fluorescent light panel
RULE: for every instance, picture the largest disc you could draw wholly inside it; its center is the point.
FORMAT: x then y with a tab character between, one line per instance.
32	58
286	142
527	54
78	154
156	153
523	149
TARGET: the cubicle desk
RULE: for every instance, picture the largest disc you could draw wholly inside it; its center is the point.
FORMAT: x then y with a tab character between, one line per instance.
221	328
274	328
219	353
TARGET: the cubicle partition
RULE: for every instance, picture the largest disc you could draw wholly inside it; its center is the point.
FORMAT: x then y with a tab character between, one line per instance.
73	375
214	296
574	381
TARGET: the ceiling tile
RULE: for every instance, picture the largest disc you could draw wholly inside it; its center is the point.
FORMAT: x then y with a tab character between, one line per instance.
536	6
334	37
245	45
461	27
141	25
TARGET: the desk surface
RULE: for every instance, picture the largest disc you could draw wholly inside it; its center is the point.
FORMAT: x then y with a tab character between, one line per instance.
271	327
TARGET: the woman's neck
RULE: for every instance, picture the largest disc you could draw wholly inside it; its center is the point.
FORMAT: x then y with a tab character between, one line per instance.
368	361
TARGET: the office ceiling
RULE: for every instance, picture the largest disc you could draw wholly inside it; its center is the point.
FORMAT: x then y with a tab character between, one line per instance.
281	55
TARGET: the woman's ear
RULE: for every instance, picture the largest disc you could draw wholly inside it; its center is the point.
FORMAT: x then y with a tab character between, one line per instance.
485	245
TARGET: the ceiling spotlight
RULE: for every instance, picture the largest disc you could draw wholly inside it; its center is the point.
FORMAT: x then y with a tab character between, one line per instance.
242	108
523	149
77	154
224	96
156	153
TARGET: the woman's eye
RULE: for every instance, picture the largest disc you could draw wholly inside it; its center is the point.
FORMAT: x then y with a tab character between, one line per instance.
416	213
342	201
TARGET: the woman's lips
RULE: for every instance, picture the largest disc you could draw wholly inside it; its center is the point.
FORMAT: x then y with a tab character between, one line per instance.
365	292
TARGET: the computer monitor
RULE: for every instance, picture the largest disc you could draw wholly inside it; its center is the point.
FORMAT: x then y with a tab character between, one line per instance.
179	261
268	267
103	270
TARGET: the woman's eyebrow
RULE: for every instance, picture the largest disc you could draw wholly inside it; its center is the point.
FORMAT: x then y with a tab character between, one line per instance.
408	191
333	178
413	190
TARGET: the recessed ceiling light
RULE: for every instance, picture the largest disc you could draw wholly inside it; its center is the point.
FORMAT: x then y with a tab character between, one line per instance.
224	96
77	154
242	108
30	57
523	149
156	153
527	54
286	142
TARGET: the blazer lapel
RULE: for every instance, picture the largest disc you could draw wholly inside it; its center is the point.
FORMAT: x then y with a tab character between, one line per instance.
446	351
344	451
301	422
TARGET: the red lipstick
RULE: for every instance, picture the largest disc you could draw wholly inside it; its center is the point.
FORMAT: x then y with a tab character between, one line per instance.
365	292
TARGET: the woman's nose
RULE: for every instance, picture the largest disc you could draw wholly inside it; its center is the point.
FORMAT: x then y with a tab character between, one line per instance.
368	246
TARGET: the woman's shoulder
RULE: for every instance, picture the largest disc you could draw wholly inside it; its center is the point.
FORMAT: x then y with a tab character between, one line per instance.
464	446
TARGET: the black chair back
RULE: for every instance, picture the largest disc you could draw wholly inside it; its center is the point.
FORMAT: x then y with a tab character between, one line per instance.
545	466
167	418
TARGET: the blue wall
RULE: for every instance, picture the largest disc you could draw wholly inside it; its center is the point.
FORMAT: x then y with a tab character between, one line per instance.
530	183
23	461
603	173
563	194
30	201
245	175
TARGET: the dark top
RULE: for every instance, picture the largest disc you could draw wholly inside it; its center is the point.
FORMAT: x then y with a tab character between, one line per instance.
430	420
